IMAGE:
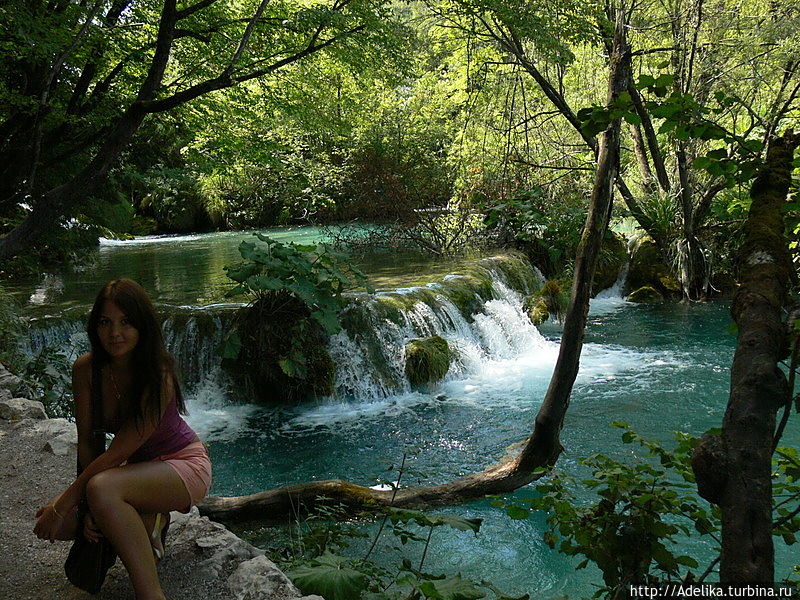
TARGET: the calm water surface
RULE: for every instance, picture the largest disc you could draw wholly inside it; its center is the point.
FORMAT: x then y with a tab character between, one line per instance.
188	270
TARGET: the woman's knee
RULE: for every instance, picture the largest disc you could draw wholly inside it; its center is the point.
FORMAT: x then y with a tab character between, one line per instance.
101	488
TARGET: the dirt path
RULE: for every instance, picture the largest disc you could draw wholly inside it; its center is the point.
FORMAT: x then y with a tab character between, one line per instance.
201	555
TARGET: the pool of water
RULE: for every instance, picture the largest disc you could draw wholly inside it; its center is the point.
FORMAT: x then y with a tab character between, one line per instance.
662	368
189	269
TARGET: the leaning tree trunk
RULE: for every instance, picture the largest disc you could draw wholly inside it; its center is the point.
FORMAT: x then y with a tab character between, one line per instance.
734	470
543	447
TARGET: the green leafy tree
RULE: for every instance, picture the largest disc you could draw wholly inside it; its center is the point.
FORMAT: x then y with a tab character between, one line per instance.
78	80
279	339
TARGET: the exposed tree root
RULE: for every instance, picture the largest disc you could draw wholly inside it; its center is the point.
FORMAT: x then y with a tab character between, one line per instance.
286	503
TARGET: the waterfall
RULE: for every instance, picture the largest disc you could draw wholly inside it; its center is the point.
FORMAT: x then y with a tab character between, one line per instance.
478	311
191	335
480	315
611	298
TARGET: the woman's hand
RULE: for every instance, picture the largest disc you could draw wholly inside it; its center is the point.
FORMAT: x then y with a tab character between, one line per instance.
48	523
90	530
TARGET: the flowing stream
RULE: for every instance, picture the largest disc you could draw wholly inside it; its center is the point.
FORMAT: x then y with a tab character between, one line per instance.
662	368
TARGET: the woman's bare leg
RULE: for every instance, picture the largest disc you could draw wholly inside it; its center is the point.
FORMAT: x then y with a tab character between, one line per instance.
117	497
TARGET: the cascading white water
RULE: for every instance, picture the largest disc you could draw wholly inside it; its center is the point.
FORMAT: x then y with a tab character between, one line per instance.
370	352
610	298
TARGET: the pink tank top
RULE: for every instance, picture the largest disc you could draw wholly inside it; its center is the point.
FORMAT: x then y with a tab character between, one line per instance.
171	435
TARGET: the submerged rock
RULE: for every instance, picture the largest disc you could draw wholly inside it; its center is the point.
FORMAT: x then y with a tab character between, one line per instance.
645	294
427	360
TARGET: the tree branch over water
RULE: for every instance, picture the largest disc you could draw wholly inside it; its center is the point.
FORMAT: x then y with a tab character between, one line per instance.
542	449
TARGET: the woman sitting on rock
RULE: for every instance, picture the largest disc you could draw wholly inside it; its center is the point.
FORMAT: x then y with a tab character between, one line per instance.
154	465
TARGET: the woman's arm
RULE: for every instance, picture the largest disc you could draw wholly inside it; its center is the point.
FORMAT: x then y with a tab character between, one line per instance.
82	393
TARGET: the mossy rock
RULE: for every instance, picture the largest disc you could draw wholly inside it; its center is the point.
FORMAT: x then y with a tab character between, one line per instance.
645	294
271	330
536	309
612	257
427	360
648	269
552	299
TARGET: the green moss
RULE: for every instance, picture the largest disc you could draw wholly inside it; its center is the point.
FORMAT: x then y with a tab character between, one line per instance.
645	294
516	272
467	292
276	329
427	360
536	309
552	299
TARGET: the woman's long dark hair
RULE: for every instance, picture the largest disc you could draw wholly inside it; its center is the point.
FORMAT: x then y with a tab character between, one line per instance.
150	360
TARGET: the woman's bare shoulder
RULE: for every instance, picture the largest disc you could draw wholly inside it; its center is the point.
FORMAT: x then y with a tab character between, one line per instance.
82	367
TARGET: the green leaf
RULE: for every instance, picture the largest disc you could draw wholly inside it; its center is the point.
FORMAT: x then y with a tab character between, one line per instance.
451	588
330	577
241	271
517	512
632	118
687	561
230	347
264	283
293	367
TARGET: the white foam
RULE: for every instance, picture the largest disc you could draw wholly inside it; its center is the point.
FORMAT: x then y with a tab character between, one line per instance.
212	415
153	239
517	382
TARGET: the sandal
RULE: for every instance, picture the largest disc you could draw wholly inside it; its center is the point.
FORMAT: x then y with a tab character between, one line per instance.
159	532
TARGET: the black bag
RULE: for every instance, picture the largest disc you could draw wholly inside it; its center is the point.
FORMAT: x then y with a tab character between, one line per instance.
88	562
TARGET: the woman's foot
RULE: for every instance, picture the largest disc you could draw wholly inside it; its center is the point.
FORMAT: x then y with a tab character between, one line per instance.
159	535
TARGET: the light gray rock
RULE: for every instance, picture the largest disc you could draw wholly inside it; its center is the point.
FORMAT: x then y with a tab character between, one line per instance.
9	383
219	549
52	428
63	444
16	409
249	575
260	579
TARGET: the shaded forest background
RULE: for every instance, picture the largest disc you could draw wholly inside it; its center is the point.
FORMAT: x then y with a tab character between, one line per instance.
125	117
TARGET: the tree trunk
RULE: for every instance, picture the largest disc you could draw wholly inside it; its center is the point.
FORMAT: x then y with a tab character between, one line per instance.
543	447
735	471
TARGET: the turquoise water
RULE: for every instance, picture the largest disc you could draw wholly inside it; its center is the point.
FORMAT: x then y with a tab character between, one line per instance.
661	368
189	269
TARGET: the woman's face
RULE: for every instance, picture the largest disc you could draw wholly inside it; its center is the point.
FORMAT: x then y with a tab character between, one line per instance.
117	335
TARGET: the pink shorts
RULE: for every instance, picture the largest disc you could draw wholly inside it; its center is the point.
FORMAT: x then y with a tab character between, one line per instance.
194	468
